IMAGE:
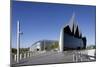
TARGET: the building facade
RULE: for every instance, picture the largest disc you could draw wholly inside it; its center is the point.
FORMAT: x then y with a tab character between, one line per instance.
71	37
43	45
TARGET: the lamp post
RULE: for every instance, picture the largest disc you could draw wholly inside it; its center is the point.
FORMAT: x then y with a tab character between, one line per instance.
18	41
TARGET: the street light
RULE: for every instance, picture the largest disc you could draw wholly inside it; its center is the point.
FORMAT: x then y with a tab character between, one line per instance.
18	40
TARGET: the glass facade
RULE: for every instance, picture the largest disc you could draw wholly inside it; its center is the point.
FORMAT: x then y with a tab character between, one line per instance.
72	37
71	42
43	45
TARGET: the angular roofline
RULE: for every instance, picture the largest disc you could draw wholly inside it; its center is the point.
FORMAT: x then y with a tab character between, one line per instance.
72	23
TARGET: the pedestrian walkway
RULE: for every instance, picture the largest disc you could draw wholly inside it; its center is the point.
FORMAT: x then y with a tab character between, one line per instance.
55	57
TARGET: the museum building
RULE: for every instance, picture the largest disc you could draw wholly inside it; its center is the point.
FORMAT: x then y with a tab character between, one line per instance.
71	37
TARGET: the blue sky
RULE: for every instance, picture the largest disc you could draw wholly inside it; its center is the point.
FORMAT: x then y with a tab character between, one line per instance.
44	20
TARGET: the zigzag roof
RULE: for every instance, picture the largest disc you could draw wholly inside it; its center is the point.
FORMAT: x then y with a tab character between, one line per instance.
74	26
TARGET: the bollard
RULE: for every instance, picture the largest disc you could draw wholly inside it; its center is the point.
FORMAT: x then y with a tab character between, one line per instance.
15	57
28	55
76	58
73	58
81	57
25	55
20	56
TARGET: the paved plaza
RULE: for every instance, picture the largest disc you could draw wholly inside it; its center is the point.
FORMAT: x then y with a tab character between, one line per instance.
55	57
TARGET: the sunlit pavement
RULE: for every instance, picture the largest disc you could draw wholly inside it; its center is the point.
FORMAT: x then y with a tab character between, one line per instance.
57	57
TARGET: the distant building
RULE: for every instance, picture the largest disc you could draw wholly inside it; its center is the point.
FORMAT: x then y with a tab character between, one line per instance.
43	45
71	37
